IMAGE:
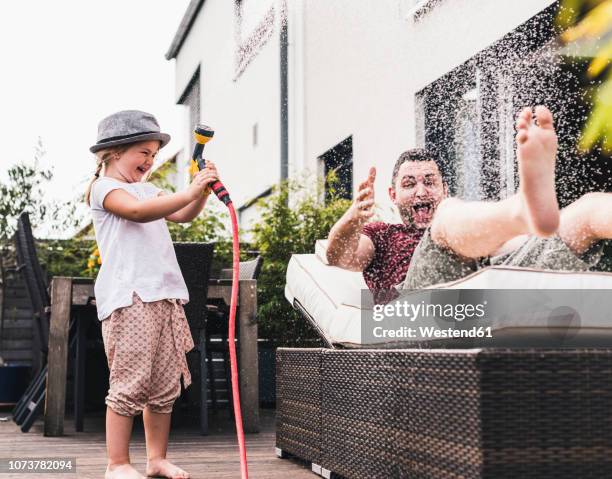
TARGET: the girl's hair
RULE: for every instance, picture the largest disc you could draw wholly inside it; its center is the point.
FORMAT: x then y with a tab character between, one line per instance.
102	159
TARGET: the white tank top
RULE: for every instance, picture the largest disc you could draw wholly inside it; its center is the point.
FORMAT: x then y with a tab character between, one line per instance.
135	256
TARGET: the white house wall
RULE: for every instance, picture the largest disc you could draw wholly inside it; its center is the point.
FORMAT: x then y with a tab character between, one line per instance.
455	30
363	61
233	107
354	69
355	83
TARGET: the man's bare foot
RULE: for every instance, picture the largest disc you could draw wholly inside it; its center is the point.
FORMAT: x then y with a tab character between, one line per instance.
537	152
164	468
122	471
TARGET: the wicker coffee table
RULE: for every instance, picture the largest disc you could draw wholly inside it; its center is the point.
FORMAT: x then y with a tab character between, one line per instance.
475	413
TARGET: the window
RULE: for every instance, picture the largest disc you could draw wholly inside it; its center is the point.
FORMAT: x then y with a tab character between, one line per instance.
452	125
337	169
520	69
467	145
467	116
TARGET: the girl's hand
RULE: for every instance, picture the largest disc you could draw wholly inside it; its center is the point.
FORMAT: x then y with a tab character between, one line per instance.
209	173
202	180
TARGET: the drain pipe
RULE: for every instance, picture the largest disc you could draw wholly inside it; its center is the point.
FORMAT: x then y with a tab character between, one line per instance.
284	93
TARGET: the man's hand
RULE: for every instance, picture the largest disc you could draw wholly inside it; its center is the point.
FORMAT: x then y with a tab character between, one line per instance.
362	208
347	247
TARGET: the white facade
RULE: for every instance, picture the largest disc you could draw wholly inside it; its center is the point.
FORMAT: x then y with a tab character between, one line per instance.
354	69
235	103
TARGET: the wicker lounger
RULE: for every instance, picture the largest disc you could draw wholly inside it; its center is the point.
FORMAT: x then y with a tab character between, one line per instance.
447	413
443	413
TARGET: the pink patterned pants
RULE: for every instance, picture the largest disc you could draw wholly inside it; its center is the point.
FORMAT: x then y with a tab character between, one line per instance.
145	346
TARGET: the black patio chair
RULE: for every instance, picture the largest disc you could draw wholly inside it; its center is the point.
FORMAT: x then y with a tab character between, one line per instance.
28	407
217	327
32	273
195	260
31	403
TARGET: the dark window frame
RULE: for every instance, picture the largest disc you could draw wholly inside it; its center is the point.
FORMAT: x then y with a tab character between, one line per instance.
340	158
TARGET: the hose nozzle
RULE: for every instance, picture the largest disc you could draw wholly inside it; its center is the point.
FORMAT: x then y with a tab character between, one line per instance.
203	134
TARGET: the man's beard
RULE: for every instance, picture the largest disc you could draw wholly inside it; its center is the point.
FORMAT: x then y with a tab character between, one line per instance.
407	216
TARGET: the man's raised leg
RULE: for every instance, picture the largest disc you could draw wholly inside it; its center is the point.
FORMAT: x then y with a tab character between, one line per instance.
586	221
479	228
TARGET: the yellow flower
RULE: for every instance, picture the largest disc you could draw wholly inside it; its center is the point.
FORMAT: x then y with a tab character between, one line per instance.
90	264
99	260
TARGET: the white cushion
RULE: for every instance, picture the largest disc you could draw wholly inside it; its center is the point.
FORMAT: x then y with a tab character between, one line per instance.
321	250
510	277
332	296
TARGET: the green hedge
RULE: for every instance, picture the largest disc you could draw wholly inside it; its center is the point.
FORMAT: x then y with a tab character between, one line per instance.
292	219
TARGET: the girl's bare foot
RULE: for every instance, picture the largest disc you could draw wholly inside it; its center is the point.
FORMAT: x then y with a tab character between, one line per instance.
537	152
164	468
122	471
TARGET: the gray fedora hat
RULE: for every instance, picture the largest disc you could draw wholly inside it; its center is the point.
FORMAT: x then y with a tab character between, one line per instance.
128	126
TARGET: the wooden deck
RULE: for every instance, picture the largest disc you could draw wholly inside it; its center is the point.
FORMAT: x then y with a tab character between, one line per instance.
212	456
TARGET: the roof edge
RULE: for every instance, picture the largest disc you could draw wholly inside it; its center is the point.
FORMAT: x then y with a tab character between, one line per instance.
183	30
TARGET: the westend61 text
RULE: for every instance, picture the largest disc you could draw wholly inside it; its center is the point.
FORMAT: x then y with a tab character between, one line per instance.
432	333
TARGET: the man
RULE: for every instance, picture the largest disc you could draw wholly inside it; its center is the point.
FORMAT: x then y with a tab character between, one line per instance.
525	230
383	251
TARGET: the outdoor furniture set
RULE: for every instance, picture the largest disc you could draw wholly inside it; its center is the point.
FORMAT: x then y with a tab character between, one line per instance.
363	408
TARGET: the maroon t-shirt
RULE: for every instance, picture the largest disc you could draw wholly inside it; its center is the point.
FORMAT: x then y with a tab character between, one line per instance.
393	248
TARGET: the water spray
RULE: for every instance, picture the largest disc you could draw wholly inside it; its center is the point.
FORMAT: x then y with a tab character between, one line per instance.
203	134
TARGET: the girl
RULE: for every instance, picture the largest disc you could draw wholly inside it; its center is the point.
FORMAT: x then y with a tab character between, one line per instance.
140	291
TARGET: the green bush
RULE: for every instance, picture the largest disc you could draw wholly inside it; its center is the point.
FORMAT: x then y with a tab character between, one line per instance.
292	219
65	257
77	257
